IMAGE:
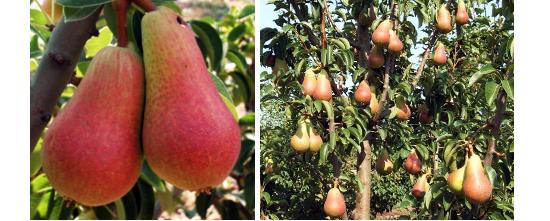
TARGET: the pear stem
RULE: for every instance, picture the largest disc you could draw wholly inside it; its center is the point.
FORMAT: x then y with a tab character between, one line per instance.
121	7
56	69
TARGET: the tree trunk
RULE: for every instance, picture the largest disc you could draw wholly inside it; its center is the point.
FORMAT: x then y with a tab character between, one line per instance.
362	204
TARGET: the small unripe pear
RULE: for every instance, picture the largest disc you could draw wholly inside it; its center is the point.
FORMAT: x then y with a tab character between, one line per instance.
381	35
335	205
455	180
309	82
443	20
476	187
421	186
440	56
413	165
323	90
461	13
363	93
395	45
384	166
376	57
300	140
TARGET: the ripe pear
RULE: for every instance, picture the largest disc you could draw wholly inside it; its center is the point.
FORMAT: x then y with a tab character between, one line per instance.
190	137
476	186
300	140
376	57
384	166
421	186
323	90
443	20
310	82
374	105
363	93
56	13
424	114
461	13
413	165
395	45
404	111
315	140
440	56
455	180
91	151
335	205
381	35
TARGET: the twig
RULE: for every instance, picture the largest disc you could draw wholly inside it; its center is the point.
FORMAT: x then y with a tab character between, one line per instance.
56	69
424	58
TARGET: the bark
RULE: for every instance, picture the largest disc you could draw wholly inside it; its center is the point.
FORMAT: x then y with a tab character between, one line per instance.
56	69
424	59
362	200
495	127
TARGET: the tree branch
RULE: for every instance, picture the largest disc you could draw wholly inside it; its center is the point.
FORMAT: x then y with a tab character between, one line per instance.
495	127
56	68
424	58
362	201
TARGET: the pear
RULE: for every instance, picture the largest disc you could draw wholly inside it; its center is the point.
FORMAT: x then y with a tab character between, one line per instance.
440	56
395	45
92	151
335	204
404	111
461	13
476	186
455	180
443	20
381	35
384	166
374	105
315	140
413	165
54	13
323	90
424	114
190	137
363	93
300	140
376	57
421	186
309	82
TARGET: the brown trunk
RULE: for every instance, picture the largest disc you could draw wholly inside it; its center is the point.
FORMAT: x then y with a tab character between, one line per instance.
362	201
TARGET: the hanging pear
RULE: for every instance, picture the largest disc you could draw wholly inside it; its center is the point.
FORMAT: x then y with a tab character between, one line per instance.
363	93
323	90
395	45
190	137
300	140
443	20
91	151
440	56
413	165
456	179
309	82
461	13
315	142
376	57
335	204
381	35
384	166
374	105
424	114
421	186
476	186
404	112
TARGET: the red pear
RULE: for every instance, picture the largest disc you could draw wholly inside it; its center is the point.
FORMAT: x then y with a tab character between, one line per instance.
335	204
376	57
315	142
476	186
384	166
381	35
413	165
440	56
91	151
404	112
190	137
424	114
421	186
323	90
309	82
443	20
363	93
395	45
461	13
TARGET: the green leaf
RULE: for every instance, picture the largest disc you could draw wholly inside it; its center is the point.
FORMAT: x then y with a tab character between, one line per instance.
231	107
76	14
487	69
221	87
82	3
120	212
491	91
508	88
210	41
95	44
237	32
492	174
246	11
150	177
323	154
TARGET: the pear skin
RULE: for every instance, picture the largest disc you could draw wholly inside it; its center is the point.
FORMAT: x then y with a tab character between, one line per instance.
443	20
440	56
381	35
420	187
363	93
476	186
315	141
300	140
376	57
413	165
384	166
190	137
323	90
91	151
461	13
335	204
310	81
455	180
395	46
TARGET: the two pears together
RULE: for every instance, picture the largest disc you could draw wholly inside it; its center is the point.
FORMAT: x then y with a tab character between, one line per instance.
92	150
